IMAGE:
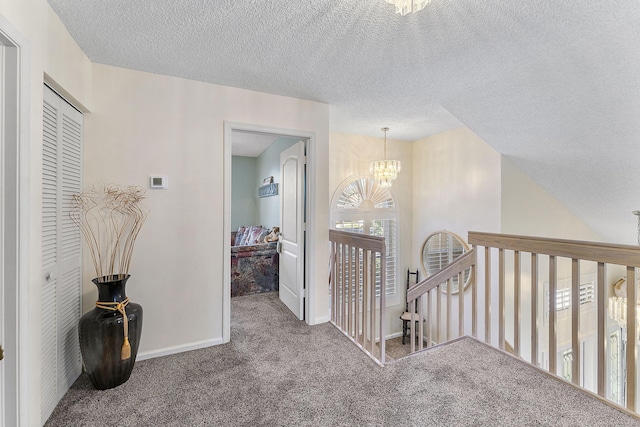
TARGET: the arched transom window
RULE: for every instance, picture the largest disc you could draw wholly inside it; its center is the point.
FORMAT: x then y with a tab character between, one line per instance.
365	207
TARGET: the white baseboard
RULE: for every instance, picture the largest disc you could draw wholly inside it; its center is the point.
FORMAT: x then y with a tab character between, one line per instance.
319	320
392	336
178	349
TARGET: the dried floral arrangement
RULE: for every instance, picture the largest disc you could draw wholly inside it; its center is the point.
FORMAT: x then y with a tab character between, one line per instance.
110	218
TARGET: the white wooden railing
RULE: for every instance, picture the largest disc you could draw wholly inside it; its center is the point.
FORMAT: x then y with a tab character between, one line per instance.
524	264
357	274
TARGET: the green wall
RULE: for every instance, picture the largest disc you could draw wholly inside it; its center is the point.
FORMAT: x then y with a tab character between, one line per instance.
244	186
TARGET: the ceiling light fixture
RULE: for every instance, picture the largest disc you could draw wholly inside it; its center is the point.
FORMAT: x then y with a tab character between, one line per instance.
408	6
385	171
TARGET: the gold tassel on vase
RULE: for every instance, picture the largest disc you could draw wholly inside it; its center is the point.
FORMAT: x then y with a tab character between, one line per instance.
125	352
126	349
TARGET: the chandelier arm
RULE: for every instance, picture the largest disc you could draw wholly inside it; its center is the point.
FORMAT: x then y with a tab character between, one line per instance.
385	149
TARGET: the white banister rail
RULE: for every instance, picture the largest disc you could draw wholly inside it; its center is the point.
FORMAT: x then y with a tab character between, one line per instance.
432	287
530	268
357	283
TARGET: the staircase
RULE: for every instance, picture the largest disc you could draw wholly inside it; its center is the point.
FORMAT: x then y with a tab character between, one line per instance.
570	336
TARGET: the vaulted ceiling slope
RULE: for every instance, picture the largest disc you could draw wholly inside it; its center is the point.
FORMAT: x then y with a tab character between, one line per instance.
553	85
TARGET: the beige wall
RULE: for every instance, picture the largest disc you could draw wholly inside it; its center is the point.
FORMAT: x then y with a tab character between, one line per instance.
350	158
146	123
51	51
456	186
529	210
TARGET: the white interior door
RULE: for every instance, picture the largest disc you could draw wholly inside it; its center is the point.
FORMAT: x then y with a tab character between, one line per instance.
61	258
292	238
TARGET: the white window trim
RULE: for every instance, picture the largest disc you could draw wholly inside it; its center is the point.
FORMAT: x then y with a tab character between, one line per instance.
380	213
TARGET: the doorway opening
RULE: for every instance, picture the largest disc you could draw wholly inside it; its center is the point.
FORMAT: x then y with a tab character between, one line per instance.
265	197
14	197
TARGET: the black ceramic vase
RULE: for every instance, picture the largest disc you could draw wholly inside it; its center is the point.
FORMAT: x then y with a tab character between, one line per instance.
102	334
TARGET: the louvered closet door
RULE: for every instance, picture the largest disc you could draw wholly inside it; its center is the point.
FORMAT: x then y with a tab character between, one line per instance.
61	257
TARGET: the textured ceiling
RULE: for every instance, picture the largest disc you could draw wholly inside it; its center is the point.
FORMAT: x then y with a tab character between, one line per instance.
553	85
250	144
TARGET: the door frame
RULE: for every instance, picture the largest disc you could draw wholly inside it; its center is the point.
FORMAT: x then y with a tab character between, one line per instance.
15	220
310	137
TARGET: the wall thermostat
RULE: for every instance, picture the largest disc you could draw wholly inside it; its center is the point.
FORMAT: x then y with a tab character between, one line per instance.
158	182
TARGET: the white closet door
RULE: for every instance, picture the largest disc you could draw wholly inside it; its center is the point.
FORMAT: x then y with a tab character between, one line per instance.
61	257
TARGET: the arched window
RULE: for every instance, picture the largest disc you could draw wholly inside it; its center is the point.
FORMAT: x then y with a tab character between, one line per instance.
365	207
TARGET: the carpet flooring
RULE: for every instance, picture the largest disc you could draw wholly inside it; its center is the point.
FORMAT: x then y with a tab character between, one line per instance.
396	350
278	371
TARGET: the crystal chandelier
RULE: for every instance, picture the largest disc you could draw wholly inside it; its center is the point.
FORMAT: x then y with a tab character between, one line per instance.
385	171
618	303
618	311
407	6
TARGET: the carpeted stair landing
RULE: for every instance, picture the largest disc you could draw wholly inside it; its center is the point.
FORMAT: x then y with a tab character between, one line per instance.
278	371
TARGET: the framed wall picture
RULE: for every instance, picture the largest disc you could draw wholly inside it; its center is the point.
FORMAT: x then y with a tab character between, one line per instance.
268	190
